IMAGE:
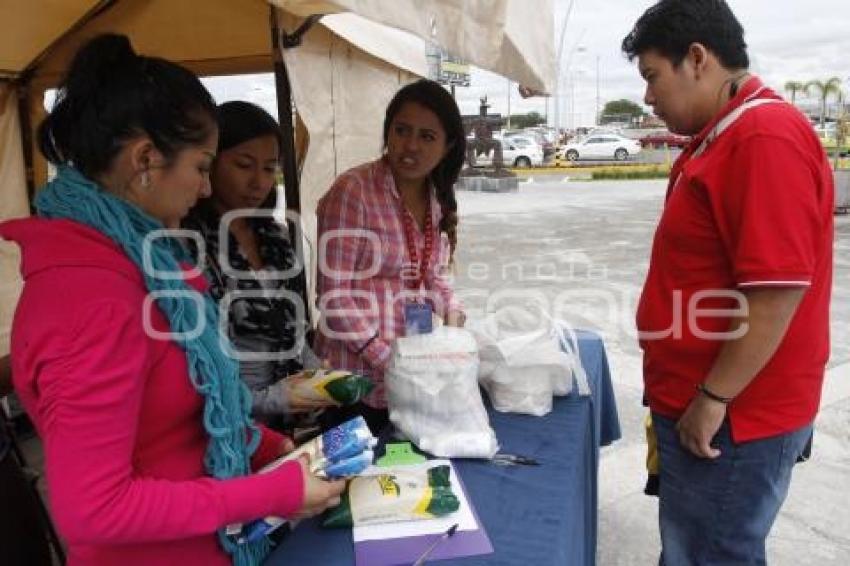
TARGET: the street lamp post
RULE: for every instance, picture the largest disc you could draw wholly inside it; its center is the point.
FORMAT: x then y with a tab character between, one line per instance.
598	117
558	60
572	101
509	105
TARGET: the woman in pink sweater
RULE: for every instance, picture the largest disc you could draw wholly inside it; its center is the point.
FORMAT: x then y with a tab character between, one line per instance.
148	442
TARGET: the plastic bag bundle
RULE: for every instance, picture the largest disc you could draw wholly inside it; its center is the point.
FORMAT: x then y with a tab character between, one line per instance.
433	394
401	495
338	386
522	363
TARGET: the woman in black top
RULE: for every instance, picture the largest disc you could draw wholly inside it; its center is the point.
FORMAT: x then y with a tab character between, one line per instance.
255	276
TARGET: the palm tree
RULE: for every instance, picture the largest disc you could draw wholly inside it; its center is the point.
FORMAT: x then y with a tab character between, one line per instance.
823	90
794	87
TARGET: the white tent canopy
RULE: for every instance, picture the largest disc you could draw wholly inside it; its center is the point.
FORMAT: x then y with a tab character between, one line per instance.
510	37
341	76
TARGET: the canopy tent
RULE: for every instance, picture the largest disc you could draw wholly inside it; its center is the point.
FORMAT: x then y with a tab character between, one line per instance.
339	78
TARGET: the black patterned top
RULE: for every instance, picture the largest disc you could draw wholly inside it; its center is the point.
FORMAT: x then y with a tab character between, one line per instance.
263	325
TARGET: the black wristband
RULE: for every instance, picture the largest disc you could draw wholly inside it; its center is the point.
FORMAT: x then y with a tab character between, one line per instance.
713	396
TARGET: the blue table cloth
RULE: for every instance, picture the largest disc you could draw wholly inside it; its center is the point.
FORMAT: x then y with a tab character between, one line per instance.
537	515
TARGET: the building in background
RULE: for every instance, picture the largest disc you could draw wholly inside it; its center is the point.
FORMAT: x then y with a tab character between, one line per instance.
446	69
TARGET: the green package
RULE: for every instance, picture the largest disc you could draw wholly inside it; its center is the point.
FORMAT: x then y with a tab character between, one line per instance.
401	495
341	387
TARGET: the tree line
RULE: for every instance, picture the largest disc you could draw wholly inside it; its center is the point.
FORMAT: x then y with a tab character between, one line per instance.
823	90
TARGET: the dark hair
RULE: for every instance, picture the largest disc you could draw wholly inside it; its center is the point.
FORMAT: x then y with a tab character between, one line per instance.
111	94
435	98
671	26
240	121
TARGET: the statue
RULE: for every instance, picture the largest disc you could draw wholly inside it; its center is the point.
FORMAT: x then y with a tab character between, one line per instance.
483	141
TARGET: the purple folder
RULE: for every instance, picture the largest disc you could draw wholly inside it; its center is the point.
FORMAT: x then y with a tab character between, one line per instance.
405	550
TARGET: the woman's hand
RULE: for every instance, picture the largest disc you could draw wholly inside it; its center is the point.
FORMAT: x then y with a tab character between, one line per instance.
287	445
319	494
298	401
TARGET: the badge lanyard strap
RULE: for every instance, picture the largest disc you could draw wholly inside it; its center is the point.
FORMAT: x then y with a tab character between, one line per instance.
752	101
411	244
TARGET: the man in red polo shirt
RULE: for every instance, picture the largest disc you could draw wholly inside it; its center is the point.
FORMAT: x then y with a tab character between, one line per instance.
734	314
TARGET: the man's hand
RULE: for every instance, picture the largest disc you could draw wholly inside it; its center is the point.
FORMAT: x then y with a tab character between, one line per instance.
768	313
699	424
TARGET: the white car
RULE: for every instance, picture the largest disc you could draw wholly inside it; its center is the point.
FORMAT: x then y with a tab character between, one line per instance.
602	146
525	143
516	152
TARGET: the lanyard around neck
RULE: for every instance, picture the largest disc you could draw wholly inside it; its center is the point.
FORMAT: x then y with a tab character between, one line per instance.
752	101
410	238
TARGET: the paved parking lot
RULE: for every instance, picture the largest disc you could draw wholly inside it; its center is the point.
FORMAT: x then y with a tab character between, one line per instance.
581	248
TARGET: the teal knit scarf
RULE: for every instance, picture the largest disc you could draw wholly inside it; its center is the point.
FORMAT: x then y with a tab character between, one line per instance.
227	402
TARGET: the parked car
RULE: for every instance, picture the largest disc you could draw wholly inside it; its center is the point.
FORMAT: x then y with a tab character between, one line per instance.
606	146
826	132
660	139
523	142
515	153
545	144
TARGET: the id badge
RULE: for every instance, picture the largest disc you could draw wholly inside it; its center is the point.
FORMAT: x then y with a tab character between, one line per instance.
418	318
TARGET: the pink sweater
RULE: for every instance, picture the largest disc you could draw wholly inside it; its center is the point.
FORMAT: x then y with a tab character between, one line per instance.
121	423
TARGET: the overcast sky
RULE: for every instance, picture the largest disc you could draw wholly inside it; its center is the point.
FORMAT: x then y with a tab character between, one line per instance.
788	40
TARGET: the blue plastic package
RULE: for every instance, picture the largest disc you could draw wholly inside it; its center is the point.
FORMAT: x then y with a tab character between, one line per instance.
346	440
350	466
341	452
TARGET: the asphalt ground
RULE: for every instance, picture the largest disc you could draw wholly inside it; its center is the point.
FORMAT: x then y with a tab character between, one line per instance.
580	249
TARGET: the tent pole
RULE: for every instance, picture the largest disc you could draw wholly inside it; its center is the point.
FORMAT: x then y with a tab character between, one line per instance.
292	187
23	92
282	40
284	110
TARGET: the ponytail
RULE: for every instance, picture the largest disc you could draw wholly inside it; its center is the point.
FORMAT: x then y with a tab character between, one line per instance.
111	95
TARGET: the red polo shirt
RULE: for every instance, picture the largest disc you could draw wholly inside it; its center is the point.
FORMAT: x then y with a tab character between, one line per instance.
753	210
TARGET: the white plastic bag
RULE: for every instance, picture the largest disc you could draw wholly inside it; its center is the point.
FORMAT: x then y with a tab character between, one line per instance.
522	362
433	395
569	343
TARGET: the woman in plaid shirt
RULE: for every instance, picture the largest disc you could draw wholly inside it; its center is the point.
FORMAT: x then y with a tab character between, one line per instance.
387	234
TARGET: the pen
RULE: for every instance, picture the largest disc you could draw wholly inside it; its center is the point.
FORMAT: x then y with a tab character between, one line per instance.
446	535
508	459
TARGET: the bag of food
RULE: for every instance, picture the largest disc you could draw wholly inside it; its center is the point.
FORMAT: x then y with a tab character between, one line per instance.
338	386
523	360
433	394
400	495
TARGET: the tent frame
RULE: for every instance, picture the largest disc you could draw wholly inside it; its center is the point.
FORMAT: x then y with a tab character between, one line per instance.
288	158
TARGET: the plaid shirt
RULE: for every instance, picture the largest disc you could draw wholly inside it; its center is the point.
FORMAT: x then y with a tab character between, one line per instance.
364	272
